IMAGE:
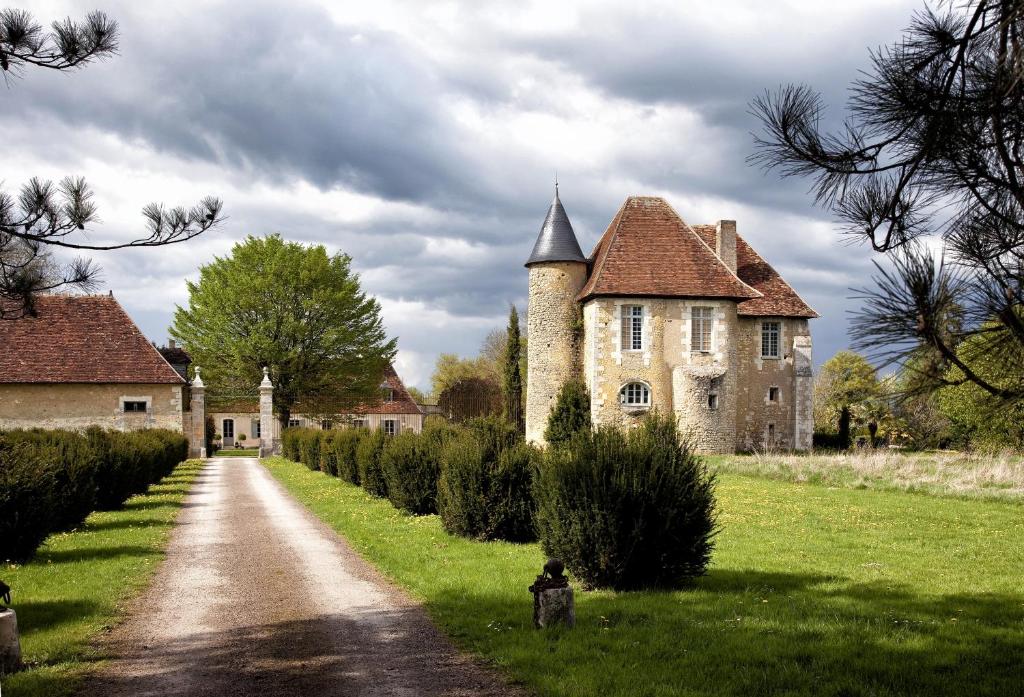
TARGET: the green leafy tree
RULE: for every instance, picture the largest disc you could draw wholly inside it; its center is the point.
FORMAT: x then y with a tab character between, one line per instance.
512	382
450	370
980	419
846	384
570	415
294	309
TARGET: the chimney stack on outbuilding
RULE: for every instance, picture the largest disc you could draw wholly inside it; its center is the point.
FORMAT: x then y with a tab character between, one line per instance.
725	243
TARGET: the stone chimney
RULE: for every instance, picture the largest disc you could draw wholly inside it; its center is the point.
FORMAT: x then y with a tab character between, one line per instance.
725	243
170	343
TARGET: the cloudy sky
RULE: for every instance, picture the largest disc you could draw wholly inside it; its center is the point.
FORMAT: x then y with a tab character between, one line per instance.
423	138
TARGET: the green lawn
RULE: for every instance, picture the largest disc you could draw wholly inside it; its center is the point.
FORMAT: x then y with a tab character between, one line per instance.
812	591
238	452
78	582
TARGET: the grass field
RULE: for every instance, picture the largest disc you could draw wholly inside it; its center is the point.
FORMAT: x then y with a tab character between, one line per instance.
78	582
238	452
813	591
940	473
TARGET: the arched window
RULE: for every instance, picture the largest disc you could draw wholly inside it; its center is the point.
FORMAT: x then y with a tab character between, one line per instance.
635	394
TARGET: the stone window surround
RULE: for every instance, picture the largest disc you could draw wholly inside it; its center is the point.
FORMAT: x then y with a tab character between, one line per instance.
781	339
711	331
635	407
130	398
778	395
618	351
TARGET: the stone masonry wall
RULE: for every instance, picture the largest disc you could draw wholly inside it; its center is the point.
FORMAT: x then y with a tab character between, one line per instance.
680	380
552	350
757	375
80	405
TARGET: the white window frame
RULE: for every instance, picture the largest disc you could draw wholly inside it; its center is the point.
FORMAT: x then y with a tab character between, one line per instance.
768	329
631	328
126	402
254	427
394	427
697	328
294	423
640	390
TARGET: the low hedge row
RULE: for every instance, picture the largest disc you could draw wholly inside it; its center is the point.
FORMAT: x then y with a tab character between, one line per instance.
51	480
623	509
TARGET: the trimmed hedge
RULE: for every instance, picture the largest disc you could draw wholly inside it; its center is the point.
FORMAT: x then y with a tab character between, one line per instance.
411	463
484	491
346	443
51	480
627	510
368	452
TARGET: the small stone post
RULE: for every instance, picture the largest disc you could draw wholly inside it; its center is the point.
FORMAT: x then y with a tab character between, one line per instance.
268	444
553	602
197	436
10	646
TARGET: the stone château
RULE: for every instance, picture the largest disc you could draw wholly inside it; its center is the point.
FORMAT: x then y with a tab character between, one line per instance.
686	320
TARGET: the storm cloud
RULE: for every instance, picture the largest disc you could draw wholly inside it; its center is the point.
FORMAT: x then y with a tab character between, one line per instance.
423	139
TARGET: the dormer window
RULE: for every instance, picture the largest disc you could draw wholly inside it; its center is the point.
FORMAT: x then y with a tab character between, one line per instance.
635	394
632	327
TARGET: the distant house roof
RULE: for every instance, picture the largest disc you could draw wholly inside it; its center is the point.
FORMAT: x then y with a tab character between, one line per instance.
79	339
777	297
400	403
177	357
648	250
556	241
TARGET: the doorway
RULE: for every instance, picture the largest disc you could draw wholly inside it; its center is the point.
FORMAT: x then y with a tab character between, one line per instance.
229	432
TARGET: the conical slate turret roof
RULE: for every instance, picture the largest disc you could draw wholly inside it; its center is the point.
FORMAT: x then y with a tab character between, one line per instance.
556	241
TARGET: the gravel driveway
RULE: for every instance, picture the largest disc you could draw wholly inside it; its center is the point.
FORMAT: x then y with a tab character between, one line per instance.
258	597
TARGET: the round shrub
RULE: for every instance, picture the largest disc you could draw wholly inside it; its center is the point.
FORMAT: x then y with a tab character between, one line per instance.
371	476
484	491
627	510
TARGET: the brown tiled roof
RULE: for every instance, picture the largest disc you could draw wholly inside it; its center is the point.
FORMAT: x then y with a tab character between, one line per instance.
402	403
779	299
649	251
79	339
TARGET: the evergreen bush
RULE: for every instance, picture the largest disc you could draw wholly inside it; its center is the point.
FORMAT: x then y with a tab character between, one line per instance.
28	500
345	446
368	452
328	455
51	480
411	467
570	414
484	490
627	510
309	448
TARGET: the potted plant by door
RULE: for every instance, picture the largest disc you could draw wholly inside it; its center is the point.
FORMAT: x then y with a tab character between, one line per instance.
241	440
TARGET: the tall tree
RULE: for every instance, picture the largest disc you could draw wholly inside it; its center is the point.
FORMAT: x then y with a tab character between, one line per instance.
846	386
512	379
451	370
46	216
294	309
934	145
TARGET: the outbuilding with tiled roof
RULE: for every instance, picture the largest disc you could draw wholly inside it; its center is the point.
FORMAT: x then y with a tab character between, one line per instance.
81	361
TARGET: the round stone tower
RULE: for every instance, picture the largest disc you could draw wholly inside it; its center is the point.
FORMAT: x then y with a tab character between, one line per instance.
558	271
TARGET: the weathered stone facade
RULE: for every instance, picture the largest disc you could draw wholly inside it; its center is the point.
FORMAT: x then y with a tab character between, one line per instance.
81	405
552	322
764	422
724	393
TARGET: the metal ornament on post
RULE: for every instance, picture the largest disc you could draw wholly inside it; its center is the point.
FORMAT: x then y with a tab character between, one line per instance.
10	644
553	602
